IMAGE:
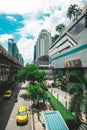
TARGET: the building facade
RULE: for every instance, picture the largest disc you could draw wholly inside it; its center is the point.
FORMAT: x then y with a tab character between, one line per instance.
10	46
21	60
42	47
70	50
13	50
69	54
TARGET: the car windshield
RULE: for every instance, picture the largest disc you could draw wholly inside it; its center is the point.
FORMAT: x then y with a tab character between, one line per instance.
22	113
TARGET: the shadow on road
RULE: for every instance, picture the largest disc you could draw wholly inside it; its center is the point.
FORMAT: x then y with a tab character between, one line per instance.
25	96
6	106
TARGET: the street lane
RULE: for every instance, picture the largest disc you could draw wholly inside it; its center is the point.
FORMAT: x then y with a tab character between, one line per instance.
6	106
8	110
21	101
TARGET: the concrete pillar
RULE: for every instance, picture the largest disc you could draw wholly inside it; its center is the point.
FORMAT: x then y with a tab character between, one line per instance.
67	74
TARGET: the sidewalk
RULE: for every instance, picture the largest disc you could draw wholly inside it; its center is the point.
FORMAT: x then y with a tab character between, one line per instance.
39	122
62	96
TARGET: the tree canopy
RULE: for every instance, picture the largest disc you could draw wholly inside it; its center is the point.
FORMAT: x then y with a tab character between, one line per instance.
31	73
73	11
77	87
60	28
55	38
36	91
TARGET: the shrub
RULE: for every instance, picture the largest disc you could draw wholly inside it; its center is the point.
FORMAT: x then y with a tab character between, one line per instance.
58	106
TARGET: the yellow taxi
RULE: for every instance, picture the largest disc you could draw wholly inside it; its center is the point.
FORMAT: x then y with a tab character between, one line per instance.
22	115
8	93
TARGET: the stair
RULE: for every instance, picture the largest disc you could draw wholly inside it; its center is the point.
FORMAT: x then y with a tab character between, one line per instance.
83	126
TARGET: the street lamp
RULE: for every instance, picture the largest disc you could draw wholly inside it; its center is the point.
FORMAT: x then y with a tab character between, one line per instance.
65	97
49	69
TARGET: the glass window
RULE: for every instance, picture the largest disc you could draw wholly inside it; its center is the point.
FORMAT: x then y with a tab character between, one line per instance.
22	113
78	27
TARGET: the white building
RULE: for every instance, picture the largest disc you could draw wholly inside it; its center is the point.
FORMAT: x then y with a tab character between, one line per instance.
42	47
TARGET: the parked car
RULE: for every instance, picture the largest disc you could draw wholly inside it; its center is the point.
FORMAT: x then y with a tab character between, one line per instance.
22	115
8	93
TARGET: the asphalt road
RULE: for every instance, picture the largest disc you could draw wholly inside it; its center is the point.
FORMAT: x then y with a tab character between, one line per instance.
8	110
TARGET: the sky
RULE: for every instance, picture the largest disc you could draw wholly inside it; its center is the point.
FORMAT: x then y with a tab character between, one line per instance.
23	20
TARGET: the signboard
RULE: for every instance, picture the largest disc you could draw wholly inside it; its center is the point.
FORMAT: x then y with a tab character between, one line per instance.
65	64
72	63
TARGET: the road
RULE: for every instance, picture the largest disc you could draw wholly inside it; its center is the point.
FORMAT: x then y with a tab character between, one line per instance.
8	110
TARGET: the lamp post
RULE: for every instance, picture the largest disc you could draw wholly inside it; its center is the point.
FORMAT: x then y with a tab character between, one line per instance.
49	70
54	74
65	97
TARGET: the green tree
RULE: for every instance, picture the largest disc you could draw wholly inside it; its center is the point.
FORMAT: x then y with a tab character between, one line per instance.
36	91
77	87
31	73
21	75
55	38
60	28
85	80
76	99
73	11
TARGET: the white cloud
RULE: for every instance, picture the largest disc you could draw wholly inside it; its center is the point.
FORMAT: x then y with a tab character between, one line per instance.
25	6
32	27
4	40
25	47
5	37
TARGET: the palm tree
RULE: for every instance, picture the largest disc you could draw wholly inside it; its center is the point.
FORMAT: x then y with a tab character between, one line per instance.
78	11
73	11
55	38
77	87
60	28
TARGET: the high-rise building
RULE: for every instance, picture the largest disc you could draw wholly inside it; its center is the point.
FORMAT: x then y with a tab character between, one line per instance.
13	50
34	52
10	46
21	59
43	41
42	47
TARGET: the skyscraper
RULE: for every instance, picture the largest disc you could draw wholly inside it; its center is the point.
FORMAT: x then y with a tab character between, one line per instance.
12	49
21	60
42	47
15	51
10	46
43	41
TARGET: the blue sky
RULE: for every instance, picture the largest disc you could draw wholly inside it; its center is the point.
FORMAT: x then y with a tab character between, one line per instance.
23	20
9	24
